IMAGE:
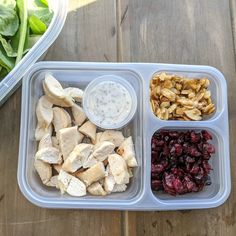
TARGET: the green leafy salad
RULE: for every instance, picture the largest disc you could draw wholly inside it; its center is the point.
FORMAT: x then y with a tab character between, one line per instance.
22	23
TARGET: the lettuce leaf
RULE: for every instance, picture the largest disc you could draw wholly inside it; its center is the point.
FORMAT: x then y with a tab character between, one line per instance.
41	11
8	3
45	2
7	47
3	73
11	45
36	25
22	9
5	61
9	21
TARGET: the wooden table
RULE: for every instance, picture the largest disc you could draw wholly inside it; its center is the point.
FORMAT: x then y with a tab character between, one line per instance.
171	31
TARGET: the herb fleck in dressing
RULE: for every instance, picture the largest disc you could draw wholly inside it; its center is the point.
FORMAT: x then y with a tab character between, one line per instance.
110	103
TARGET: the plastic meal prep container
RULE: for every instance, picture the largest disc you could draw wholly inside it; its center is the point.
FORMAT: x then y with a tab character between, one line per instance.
11	82
139	195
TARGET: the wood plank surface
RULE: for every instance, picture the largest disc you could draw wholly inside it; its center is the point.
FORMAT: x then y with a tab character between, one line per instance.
171	31
188	32
89	35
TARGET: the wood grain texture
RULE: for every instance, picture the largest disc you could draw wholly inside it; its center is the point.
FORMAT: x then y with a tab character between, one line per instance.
171	31
89	35
233	21
188	32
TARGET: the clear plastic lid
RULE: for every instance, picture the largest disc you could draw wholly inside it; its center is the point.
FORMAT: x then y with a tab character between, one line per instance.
110	102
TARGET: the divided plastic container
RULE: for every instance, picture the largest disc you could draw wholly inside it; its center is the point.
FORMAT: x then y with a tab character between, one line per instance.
139	195
13	80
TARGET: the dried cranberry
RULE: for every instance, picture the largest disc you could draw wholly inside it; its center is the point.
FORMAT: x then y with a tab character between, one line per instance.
193	152
178	186
189	159
157	168
195	137
166	151
195	169
169	178
157	185
206	166
206	135
174	134
160	143
176	150
155	175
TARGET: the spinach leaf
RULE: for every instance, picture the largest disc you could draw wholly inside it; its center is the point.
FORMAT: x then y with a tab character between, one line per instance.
3	73
42	12
45	2
12	46
7	47
9	21
8	3
5	61
22	8
36	25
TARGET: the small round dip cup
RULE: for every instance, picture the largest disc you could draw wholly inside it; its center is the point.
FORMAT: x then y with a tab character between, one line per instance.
110	102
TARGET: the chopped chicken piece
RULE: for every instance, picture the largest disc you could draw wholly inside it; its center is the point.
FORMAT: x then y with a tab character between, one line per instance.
44	112
50	155
93	174
70	184
126	150
89	130
98	136
44	170
91	161
76	188
113	136
96	189
41	131
130	171
118	168
87	140
57	167
45	142
77	157
55	92
78	114
119	188
61	118
80	137
68	139
75	93
53	182
102	150
55	142
109	183
63	180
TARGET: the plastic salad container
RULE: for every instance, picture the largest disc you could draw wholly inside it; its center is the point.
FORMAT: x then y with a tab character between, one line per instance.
11	82
139	195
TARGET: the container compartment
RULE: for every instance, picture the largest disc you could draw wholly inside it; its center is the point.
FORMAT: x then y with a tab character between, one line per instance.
214	87
35	190
215	175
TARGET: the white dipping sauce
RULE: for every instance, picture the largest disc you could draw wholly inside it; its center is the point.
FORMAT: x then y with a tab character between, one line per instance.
109	103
